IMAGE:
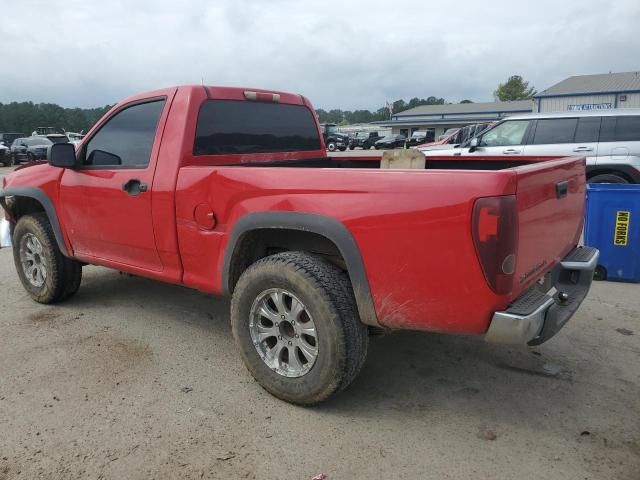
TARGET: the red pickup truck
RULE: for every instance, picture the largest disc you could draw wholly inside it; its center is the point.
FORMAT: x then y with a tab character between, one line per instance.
230	191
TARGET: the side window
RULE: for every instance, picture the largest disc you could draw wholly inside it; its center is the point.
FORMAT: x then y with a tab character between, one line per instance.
588	130
555	130
505	134
628	128
126	139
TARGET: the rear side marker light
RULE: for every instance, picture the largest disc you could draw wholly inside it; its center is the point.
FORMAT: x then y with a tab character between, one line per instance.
495	236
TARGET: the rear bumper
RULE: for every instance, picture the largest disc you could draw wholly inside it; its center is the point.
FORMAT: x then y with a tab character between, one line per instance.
536	316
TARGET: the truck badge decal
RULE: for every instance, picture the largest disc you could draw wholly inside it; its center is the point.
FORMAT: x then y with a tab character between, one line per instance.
525	276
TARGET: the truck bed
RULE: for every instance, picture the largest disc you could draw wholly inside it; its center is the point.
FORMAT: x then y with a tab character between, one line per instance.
432	163
412	227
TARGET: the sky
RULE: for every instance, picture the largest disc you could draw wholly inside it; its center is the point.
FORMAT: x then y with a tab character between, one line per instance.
340	54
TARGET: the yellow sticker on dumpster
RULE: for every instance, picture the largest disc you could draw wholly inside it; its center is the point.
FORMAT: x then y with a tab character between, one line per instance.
621	234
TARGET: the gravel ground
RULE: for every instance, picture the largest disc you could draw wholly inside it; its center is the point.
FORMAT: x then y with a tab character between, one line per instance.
137	379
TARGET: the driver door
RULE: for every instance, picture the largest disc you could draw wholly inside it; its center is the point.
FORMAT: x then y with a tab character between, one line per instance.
106	200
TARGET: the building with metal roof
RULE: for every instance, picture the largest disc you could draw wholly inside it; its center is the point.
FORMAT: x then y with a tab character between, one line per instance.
591	92
439	118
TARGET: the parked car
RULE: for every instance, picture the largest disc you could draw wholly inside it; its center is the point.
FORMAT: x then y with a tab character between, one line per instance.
30	149
333	139
391	141
609	139
420	137
457	137
366	141
447	133
5	156
234	194
7	139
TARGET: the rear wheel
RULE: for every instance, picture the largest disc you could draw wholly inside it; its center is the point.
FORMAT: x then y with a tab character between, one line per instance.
46	274
295	321
607	178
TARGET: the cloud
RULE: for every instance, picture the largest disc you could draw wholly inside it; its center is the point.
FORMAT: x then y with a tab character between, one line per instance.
340	54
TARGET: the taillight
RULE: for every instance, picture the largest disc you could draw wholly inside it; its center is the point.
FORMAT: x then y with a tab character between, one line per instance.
495	236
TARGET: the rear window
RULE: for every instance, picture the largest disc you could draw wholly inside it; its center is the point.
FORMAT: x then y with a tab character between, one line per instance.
232	126
555	130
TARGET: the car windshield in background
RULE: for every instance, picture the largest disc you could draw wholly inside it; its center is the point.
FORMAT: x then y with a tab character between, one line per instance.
36	141
232	126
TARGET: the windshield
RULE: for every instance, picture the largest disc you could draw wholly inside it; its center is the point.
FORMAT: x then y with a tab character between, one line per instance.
504	134
34	142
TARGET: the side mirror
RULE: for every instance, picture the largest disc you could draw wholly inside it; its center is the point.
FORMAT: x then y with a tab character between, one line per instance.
62	155
473	145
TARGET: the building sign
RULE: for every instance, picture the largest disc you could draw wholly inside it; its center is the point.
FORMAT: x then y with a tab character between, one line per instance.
590	106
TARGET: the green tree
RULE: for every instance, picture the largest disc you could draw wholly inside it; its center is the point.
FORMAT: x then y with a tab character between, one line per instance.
466	101
26	116
515	88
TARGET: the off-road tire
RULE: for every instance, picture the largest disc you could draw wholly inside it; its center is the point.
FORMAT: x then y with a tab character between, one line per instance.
607	178
63	274
326	292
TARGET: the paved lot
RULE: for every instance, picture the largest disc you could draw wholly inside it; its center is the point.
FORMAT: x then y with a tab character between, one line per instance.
137	379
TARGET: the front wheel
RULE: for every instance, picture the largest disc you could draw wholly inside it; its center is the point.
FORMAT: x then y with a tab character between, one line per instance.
331	147
46	274
295	321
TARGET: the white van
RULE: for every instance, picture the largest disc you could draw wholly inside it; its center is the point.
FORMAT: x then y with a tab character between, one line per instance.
609	139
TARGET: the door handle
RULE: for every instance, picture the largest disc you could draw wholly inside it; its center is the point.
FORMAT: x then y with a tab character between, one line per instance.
510	151
583	149
134	187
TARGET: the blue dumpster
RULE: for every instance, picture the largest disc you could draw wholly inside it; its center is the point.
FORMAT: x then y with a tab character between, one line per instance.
612	225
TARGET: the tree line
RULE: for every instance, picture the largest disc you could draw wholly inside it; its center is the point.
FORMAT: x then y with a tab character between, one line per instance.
515	88
26	116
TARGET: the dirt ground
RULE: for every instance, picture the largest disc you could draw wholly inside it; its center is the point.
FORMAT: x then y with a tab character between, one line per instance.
137	379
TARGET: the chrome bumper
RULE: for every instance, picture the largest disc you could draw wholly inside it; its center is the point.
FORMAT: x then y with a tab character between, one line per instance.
536	316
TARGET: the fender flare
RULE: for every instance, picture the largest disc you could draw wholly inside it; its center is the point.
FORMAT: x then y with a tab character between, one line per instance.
44	200
327	227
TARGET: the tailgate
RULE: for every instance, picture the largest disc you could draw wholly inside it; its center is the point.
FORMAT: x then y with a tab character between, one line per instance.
550	201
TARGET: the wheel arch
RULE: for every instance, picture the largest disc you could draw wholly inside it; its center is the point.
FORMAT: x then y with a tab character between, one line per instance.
19	201
252	236
625	171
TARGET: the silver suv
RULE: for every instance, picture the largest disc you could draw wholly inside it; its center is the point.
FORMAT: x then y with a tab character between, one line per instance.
609	139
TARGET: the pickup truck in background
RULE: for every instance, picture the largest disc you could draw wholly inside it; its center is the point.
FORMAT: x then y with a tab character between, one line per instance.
230	191
366	141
